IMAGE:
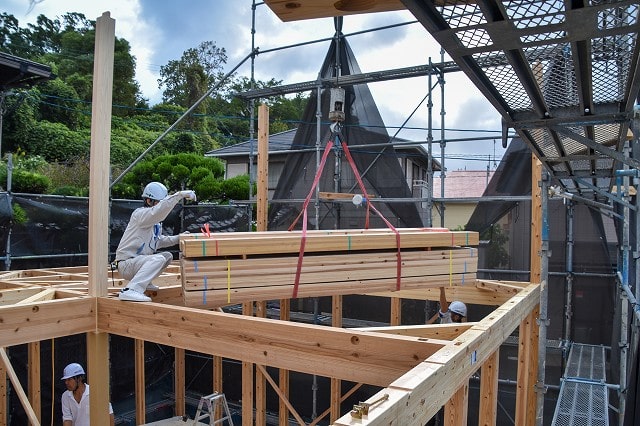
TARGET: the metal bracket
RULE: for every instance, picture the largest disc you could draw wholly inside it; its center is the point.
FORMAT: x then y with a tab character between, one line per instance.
362	408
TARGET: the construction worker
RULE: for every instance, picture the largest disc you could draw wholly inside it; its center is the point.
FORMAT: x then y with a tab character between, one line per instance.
136	257
75	400
454	312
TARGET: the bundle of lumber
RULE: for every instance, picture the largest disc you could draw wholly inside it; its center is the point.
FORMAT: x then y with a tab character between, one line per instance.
229	268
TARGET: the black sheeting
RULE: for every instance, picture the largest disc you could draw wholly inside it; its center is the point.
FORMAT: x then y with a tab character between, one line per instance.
378	165
55	232
511	178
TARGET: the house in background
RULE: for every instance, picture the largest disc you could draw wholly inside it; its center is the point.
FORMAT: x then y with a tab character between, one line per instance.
462	191
413	158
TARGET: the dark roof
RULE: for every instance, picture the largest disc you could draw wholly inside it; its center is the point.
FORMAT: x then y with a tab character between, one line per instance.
280	143
19	72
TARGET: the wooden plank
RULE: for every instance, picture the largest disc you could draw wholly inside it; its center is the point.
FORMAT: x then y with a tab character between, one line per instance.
3	396
310	9
216	298
336	384
195	245
45	320
466	292
283	375
247	378
340	353
438	333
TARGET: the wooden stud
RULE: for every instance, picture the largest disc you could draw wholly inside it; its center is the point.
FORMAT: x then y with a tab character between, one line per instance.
488	412
262	182
261	384
336	384
283	374
179	382
17	387
33	367
141	410
456	409
247	378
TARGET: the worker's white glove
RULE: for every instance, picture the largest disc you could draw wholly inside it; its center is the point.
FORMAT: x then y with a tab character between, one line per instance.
188	194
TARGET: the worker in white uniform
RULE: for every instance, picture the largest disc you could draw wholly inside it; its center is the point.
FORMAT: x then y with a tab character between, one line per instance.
449	313
75	400
137	258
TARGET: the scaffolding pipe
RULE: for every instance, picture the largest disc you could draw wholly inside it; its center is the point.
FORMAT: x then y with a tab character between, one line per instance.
443	143
7	260
429	204
568	311
543	321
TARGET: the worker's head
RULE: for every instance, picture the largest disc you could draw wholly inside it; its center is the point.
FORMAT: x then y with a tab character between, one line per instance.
458	311
153	193
73	376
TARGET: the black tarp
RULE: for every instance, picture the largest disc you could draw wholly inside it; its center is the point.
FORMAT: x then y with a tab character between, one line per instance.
378	165
55	231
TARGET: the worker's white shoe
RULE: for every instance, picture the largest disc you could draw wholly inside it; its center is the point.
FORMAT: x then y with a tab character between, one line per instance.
152	287
131	295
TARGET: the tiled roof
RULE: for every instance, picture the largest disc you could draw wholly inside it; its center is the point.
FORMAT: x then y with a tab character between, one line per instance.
463	183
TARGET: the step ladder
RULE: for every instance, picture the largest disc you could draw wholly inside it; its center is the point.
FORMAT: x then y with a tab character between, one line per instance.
207	408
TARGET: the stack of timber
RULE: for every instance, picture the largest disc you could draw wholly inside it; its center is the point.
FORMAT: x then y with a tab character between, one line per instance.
229	268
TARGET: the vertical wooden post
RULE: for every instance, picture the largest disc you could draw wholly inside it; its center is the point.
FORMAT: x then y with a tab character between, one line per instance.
217	382
283	375
247	379
34	378
396	311
98	343
489	390
456	409
3	395
263	167
336	384
261	382
179	382
141	409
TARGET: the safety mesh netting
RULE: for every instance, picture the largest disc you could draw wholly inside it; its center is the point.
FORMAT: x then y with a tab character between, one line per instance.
41	231
373	155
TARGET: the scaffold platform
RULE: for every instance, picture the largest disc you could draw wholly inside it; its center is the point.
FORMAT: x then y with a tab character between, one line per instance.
583	398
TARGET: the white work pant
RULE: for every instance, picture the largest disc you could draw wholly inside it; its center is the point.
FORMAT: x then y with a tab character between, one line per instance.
143	269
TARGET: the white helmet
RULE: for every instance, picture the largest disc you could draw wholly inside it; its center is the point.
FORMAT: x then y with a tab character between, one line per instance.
155	191
458	308
72	370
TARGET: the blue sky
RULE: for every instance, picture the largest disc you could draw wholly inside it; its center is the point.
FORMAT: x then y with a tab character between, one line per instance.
160	30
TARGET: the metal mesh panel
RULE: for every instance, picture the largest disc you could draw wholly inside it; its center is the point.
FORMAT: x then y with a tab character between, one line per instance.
506	81
610	68
546	143
606	134
580	401
460	14
529	14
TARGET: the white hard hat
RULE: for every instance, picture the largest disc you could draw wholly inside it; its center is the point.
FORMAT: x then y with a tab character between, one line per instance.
458	308
155	191
72	370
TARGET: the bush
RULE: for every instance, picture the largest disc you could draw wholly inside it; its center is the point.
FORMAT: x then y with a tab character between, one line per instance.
29	182
19	215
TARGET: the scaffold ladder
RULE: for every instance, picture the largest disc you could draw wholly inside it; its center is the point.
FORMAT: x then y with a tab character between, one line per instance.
207	408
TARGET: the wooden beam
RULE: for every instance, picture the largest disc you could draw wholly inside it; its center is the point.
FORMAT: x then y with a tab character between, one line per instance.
262	182
466	291
364	357
416	396
34	322
439	334
488	412
288	10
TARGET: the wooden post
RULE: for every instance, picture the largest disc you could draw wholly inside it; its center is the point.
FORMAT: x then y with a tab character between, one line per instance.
263	167
396	311
261	382
179	382
456	409
34	378
98	343
283	375
141	410
217	382
3	395
489	390
336	384
247	379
